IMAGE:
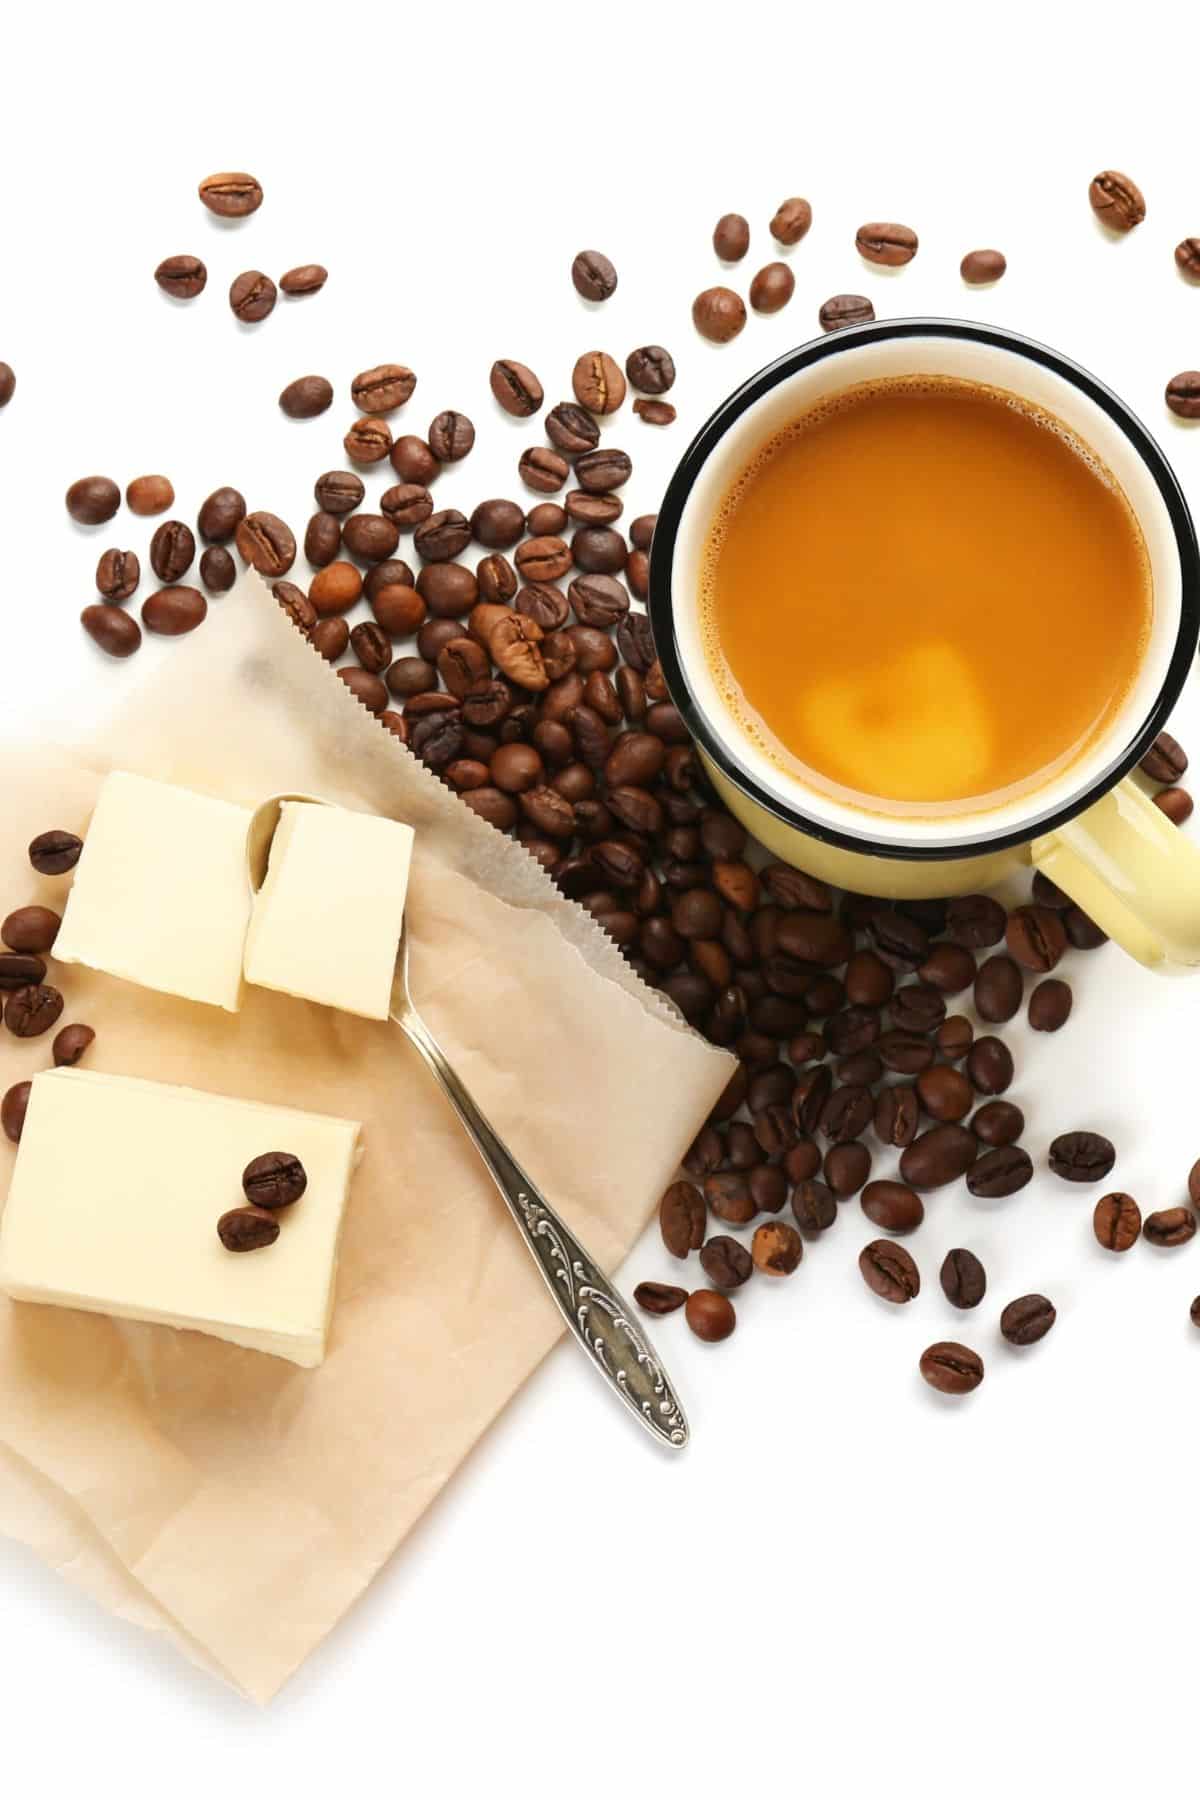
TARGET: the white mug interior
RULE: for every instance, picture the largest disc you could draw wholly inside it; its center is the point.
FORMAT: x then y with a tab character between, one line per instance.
971	360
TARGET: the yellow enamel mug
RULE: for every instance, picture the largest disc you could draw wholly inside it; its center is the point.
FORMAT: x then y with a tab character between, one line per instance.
1091	829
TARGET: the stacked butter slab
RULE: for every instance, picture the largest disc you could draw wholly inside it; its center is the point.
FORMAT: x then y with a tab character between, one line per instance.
115	1198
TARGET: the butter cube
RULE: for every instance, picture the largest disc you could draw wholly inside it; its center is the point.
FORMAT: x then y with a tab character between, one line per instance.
160	895
115	1198
327	920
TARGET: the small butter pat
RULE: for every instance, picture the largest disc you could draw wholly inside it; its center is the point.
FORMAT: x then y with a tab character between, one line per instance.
115	1198
160	895
327	921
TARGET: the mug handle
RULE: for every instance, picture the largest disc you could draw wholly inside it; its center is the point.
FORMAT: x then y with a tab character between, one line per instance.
1134	873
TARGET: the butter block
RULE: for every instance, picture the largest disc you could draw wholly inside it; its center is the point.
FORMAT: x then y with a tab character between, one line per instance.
160	895
115	1197
326	922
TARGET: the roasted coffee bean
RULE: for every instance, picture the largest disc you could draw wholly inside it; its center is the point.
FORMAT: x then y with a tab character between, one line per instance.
954	1037
322	539
117	575
274	1180
1183	394
244	1228
659	1297
183	277
171	550
900	941
222	513
413	460
266	543
951	1368
814	1205
846	1168
846	1114
998	989
1116	200
651	370
336	588
252	296
1036	938
897	1115
792	220
543	470
939	1156
998	1173
892	1205
305	278
55	852
949	967
544	603
775	1129
598	601
816	938
173	611
697	914
593	275
975	921
1166	760
1083	932
963	1279
496	579
111	630
597	550
307	397
773	1085
449	589
635	641
231	195
772	287
31	929
864	1068
370	537
710	1316
149	494
571	429
636	760
598	382
845	309
600	471
726	1262
718	314
32	1010
497	524
496	808
1117	1222
1176	803
330	638
855	1028
93	500
889	1271
731	237
999	1122
945	1093
516	768
298	607
1047	894
442	536
1082	1156
411	675
8	383
1172	1226
368	440
19	969
704	1153
1026	1320
1187	257
383	389
990	1065
728	1194
373	647
437	738
407	504
777	1249
802	1161
516	388
1050	1005
869	981
892	245
218	571
981	267
904	1052
13	1108
543	559
641	532
370	692
917	1006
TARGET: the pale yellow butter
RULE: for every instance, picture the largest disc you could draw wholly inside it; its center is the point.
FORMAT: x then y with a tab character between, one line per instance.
115	1198
326	923
160	895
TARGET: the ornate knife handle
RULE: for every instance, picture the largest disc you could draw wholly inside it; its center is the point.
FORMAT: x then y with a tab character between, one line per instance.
589	1303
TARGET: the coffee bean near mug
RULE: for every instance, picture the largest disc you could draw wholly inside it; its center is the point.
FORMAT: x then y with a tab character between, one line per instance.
925	754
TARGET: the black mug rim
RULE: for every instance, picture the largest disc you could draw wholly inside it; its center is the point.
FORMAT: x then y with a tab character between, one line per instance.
662	557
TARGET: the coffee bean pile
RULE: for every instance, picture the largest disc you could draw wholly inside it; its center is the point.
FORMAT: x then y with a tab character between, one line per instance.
252	295
29	1005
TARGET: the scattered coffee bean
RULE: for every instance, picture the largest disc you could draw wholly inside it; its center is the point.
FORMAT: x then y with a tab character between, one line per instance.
891	245
231	195
1116	200
218	571
998	989
543	470
655	412
307	397
1117	1222
305	278
792	219
846	1168
413	460
594	276
814	1205
93	500
54	852
117	575
32	1010
682	1218
1166	760
1082	1156
1050	1005
266	543
172	549
718	314
1173	1226
330	638
71	1043
1026	1320
979	267
19	969
845	309
1176	803
274	1180
1001	1172
598	382
731	237
252	296
777	1249
990	1065
451	436
31	929
951	1368
1036	938
13	1108
711	1316
370	692
183	277
955	1036
173	611
892	1205
659	1297
945	1093
999	1122
651	370
383	389
244	1228
1183	394
336	588
975	921
939	1156
516	388
963	1279
897	1115
221	514
368	440
111	630
726	1262
8	383
772	287
889	1271
1083	932
1187	257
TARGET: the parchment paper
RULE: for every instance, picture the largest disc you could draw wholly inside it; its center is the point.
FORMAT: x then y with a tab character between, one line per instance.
225	1497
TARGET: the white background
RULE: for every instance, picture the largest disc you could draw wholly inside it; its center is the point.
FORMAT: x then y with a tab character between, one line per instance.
846	1583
